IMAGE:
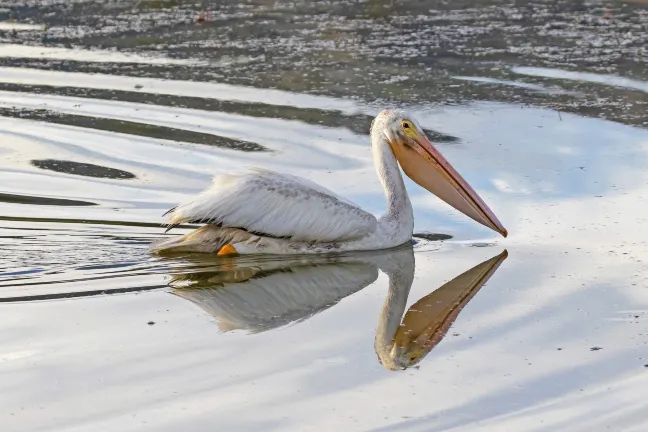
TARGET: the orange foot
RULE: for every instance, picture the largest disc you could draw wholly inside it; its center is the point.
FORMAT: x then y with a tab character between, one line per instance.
228	249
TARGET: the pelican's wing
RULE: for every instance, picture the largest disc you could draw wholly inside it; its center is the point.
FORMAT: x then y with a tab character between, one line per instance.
277	205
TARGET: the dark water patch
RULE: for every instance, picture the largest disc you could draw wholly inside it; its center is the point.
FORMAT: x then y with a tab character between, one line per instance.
133	128
482	245
106	266
22	272
82	169
432	236
132	242
45	201
70	295
438	137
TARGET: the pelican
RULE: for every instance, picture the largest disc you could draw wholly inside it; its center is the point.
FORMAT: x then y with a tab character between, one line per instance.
258	296
265	212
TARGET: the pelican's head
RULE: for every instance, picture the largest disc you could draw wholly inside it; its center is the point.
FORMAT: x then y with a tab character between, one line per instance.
424	164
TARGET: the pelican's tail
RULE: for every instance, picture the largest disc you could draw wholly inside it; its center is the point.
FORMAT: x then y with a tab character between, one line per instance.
206	239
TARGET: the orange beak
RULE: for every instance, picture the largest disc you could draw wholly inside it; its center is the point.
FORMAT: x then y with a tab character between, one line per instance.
429	169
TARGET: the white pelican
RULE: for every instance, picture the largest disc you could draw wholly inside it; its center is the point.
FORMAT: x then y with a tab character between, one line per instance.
258	296
262	211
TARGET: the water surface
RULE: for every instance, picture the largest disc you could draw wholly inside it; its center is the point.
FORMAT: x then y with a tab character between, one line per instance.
463	330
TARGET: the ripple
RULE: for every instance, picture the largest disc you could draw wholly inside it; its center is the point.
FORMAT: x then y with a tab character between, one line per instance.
45	201
132	128
85	55
357	123
603	79
175	87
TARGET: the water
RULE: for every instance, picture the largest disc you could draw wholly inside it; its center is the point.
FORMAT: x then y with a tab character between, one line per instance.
544	330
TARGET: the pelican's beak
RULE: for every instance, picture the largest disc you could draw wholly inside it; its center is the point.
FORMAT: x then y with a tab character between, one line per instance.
427	167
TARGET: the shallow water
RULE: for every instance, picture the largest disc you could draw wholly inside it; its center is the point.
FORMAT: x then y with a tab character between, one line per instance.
544	330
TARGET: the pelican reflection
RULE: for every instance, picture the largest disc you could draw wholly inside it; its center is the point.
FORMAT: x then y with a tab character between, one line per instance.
255	295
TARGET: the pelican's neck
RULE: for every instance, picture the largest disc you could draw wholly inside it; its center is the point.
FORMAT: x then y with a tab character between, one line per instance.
399	208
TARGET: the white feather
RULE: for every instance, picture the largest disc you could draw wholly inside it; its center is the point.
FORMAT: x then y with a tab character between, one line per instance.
278	205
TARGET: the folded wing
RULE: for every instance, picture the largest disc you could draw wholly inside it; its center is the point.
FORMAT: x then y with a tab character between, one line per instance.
277	205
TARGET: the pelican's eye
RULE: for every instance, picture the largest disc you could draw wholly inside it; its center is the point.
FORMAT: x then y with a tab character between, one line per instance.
409	129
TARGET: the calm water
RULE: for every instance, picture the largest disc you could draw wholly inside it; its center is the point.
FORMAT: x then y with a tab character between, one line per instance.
544	330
